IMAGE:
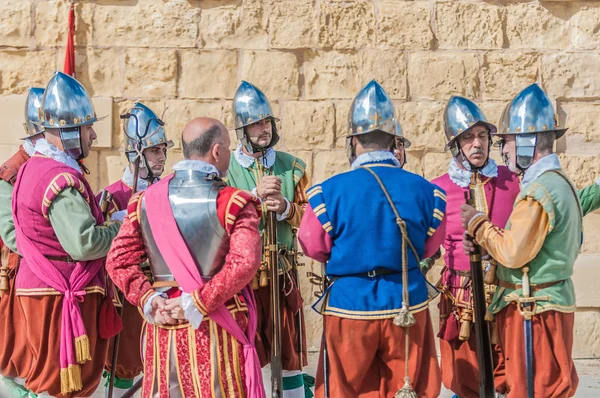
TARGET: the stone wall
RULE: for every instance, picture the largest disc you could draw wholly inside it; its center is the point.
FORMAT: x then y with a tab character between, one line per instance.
310	58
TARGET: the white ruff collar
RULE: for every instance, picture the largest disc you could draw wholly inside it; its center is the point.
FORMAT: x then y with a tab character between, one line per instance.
246	160
45	148
196	165
462	178
372	157
543	165
28	147
127	179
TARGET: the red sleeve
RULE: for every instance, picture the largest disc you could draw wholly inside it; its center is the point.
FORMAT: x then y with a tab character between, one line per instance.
245	251
126	255
315	241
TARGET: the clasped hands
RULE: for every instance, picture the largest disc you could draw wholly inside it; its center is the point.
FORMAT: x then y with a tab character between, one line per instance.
167	311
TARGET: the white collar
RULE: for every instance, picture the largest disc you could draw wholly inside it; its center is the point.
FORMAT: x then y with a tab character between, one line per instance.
462	178
28	147
547	163
197	165
45	148
246	160
127	179
372	157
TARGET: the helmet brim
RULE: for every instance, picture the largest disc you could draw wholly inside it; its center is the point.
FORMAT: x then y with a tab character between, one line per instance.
491	127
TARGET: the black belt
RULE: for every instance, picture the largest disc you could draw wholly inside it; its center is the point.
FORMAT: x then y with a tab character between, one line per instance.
371	274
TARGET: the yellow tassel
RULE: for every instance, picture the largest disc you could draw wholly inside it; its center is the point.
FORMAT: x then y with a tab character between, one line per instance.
70	379
82	349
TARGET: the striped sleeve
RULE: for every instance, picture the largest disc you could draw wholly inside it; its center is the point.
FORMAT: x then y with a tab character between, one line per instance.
236	203
317	203
57	185
439	209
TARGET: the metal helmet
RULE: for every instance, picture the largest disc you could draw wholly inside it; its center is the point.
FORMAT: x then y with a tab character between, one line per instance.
400	134
460	115
251	105
67	106
143	129
372	110
528	114
33	105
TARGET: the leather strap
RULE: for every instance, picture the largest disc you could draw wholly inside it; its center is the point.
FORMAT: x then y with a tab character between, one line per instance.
534	287
371	274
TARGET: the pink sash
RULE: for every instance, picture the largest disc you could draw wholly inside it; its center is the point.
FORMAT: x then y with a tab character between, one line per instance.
74	343
181	263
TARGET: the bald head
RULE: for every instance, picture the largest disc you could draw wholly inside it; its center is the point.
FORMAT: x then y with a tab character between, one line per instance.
207	139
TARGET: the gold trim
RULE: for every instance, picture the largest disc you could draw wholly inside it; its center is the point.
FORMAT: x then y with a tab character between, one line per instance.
327	226
384	314
236	364
48	291
228	372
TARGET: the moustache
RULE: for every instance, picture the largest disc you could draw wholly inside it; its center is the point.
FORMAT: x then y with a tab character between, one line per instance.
476	151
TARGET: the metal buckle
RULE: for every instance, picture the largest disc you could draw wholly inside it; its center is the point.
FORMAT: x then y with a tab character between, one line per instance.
372	274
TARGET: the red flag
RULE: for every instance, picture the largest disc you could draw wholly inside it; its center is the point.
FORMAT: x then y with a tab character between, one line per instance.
69	68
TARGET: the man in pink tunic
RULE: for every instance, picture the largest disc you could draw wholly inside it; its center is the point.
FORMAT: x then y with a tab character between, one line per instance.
202	242
469	140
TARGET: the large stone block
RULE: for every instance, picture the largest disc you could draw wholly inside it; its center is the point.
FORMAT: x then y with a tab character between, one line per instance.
174	157
22	69
507	73
404	25
11	112
435	164
571	75
111	165
51	21
308	125
586	343
342	129
182	111
585	25
591	244
234	26
329	163
208	74
422	124
346	25
103	128
582	118
388	68
6	151
292	24
537	25
99	70
493	110
15	23
274	72
582	169
585	278
169	23
414	163
331	74
469	25
150	73
228	118
439	75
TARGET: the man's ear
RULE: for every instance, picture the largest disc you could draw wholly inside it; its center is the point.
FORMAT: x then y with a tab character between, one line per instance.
215	151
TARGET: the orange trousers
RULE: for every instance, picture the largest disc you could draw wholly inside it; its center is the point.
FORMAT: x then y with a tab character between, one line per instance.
129	358
553	368
366	358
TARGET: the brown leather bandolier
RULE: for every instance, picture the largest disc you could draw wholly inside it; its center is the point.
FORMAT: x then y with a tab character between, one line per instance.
10	168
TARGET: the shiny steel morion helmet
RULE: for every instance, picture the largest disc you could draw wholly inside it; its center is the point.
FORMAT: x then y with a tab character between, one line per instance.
251	105
143	129
66	106
33	105
372	110
461	115
528	114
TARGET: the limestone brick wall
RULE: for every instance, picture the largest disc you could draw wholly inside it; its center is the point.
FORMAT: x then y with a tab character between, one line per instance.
311	57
